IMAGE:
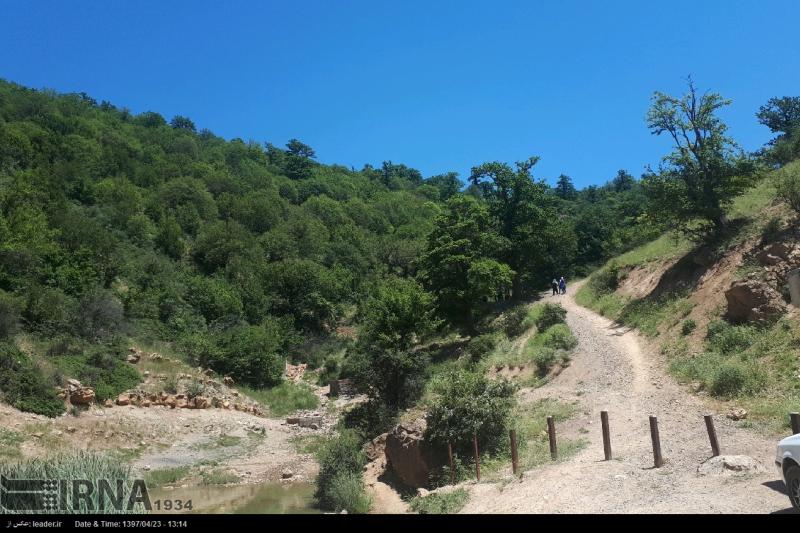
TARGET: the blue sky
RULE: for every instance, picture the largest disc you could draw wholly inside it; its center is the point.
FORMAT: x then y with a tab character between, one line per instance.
437	85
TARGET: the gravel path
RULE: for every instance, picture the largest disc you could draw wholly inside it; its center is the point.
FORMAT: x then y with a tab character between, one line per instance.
612	370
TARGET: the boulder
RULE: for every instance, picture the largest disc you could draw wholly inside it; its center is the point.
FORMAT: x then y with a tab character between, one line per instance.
737	414
226	404
181	403
123	399
753	300
309	421
108	403
133	358
170	401
730	465
775	253
409	455
201	402
74	384
82	396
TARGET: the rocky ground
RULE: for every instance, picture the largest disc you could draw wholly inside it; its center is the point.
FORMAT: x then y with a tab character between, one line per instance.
613	370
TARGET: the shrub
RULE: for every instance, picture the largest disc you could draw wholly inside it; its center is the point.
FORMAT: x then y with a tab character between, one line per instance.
103	368
346	491
251	354
549	315
23	385
788	186
729	380
605	280
482	345
467	402
47	309
370	418
688	326
396	378
9	315
195	388
440	502
727	339
100	315
514	323
171	384
544	358
558	337
340	458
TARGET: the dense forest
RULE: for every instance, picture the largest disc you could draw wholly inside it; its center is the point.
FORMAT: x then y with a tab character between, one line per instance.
118	228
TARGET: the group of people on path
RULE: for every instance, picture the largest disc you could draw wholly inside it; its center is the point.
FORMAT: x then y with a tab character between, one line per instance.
560	286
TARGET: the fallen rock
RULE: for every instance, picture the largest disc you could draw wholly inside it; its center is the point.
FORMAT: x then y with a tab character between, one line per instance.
133	358
730	465
201	402
737	414
123	399
82	396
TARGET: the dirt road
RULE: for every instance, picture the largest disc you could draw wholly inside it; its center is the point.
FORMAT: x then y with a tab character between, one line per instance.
612	370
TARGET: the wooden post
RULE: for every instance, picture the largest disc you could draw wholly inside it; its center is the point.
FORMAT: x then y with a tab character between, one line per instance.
477	456
712	435
450	457
658	461
551	432
606	435
795	420
514	459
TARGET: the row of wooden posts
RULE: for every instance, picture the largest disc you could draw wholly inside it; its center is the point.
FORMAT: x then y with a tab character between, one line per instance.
658	459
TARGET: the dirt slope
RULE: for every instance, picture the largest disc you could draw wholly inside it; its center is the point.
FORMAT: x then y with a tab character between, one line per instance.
612	370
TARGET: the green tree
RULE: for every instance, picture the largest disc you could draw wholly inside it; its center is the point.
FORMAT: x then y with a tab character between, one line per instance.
700	178
539	240
565	189
780	115
457	265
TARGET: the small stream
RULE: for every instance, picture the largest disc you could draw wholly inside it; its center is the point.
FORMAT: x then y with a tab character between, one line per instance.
265	498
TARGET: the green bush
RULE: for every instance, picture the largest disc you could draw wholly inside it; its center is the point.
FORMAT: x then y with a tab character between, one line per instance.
251	354
103	368
482	345
347	492
514	323
171	384
605	281
729	380
441	502
558	337
467	402
9	315
788	185
548	315
396	378
544	358
688	326
195	388
729	339
24	386
339	482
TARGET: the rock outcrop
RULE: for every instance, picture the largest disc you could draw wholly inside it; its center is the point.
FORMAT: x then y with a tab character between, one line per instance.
752	300
409	456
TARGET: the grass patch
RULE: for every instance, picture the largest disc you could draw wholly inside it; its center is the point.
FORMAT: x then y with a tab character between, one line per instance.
218	477
9	445
440	502
165	476
533	448
309	443
285	398
85	466
23	385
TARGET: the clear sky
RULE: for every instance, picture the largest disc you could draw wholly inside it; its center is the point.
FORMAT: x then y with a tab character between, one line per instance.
437	85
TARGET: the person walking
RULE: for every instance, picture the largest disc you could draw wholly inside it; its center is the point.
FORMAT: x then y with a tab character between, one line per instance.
554	286
562	285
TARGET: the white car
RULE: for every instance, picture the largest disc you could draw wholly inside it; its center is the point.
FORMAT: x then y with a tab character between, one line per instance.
788	462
